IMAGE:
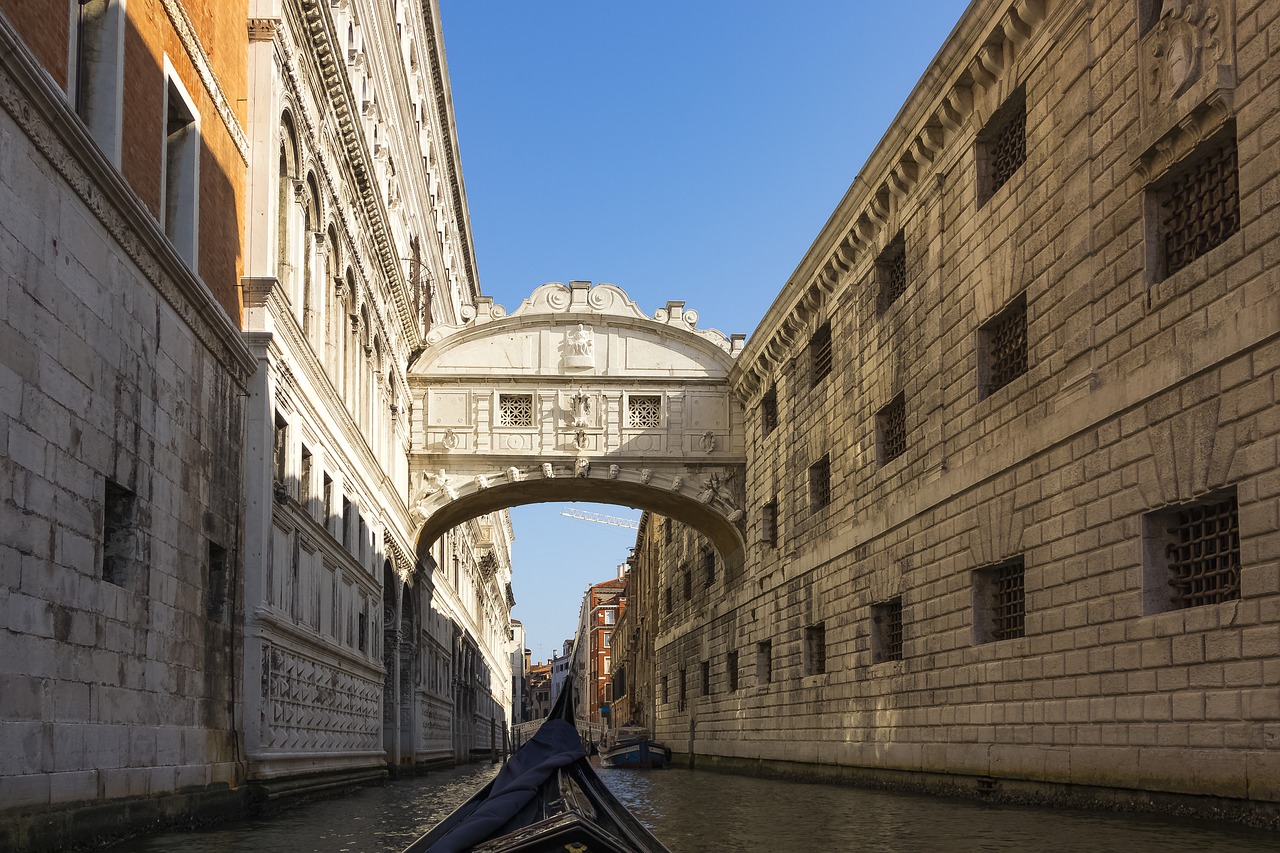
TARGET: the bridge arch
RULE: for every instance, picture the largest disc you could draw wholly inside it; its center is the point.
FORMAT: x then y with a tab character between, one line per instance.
578	395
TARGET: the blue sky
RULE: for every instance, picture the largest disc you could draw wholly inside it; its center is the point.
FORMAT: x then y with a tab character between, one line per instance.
680	150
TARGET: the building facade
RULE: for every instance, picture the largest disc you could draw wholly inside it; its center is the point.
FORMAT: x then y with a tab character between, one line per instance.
1011	435
591	664
229	227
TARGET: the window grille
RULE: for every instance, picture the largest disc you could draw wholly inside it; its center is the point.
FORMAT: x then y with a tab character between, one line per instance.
668	601
1006	346
820	353
820	483
892	426
688	584
891	269
731	665
1202	552
515	410
1000	601
706	678
770	523
1200	207
815	649
887	620
1004	142
644	411
709	566
684	687
769	411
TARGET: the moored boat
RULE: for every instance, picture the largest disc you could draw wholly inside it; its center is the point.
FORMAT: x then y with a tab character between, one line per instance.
632	747
545	798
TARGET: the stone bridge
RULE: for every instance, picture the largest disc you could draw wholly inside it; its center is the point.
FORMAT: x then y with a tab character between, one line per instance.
578	395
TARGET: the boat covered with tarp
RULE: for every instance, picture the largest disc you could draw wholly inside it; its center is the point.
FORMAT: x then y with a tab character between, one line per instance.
545	798
633	747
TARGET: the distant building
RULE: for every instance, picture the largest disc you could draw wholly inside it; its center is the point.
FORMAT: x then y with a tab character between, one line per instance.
592	662
560	668
539	690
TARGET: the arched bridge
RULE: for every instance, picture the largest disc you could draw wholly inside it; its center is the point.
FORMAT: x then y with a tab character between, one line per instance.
578	395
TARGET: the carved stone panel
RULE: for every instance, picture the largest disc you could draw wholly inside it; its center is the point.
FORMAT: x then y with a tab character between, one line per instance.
1186	59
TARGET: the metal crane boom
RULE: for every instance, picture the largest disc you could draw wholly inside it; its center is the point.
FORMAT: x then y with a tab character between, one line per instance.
584	515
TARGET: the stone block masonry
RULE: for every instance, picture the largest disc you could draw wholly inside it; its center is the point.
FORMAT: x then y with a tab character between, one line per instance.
1080	534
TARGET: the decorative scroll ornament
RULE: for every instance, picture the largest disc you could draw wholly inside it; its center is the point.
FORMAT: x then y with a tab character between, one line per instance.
581	409
707	442
450	440
1184	40
711	490
580	439
579	348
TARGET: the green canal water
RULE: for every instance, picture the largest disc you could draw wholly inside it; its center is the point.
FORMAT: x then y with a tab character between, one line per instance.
693	810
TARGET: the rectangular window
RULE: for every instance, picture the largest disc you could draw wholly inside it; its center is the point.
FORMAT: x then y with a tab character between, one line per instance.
644	411
688	584
1002	347
607	639
304	479
769	523
215	604
347	519
1197	205
363	631
667	530
180	171
999	602
891	430
820	484
820	354
764	661
515	410
667	591
815	649
119	533
328	502
891	272
97	72
731	667
1191	554
708	566
769	410
684	688
886	631
666	695
706	678
1002	146
280	448
609	617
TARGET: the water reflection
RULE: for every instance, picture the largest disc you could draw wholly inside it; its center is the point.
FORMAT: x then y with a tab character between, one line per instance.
693	811
696	811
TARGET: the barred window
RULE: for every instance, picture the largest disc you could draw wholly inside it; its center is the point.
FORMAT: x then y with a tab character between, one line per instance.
706	678
1192	554
667	591
1198	204
708	566
119	533
820	353
1002	145
644	411
891	272
769	410
820	483
769	523
815	649
684	688
886	635
891	429
688	584
515	410
1003	347
731	667
999	601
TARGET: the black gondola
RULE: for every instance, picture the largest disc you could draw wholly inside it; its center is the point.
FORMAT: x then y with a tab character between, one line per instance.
546	798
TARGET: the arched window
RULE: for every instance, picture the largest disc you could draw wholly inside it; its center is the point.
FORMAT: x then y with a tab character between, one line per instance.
333	307
288	170
310	228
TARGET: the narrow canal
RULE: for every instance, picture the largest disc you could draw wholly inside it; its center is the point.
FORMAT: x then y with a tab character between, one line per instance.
695	811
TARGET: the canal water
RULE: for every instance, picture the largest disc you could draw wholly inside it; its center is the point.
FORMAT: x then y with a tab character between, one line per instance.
693	811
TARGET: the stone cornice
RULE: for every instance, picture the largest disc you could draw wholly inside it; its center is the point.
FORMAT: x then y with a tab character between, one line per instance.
200	61
988	40
40	108
448	133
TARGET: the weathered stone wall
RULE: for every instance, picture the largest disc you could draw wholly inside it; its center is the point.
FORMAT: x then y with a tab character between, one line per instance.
1143	391
121	407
